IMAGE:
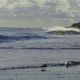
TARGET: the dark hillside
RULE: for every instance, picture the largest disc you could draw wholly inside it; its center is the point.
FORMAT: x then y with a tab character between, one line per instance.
76	25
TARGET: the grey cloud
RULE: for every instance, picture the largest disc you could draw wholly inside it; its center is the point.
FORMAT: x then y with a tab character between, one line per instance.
47	11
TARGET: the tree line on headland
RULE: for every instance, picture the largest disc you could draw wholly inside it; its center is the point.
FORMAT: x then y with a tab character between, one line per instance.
76	25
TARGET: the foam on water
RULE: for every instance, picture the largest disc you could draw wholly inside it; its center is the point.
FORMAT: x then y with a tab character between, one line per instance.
61	28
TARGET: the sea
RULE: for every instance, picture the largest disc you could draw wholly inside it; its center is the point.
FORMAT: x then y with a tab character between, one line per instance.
24	51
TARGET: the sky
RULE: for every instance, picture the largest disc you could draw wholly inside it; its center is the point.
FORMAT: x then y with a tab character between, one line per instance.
39	13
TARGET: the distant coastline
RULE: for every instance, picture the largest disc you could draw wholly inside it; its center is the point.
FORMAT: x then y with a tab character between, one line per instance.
76	25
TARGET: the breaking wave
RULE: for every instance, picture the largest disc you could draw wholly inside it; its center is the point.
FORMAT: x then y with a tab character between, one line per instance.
43	47
30	34
63	30
43	65
6	38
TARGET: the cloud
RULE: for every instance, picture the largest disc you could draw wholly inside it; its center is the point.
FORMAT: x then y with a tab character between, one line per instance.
3	3
40	3
62	5
59	5
65	11
13	4
19	4
75	7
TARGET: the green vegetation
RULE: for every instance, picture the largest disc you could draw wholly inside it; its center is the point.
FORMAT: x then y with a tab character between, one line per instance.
76	25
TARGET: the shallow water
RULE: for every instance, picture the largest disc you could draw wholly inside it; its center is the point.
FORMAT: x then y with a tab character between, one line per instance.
19	57
57	73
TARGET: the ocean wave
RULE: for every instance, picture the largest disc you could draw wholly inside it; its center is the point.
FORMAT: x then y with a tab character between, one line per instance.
40	48
44	65
63	30
6	38
30	34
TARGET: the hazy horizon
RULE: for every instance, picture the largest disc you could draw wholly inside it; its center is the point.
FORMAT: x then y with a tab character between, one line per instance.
39	13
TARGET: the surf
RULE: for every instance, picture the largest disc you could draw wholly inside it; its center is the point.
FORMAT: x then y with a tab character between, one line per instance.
62	30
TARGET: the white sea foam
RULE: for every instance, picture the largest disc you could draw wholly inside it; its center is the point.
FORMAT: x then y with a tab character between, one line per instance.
61	28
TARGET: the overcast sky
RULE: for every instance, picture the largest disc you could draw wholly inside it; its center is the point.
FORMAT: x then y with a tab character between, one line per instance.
39	13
